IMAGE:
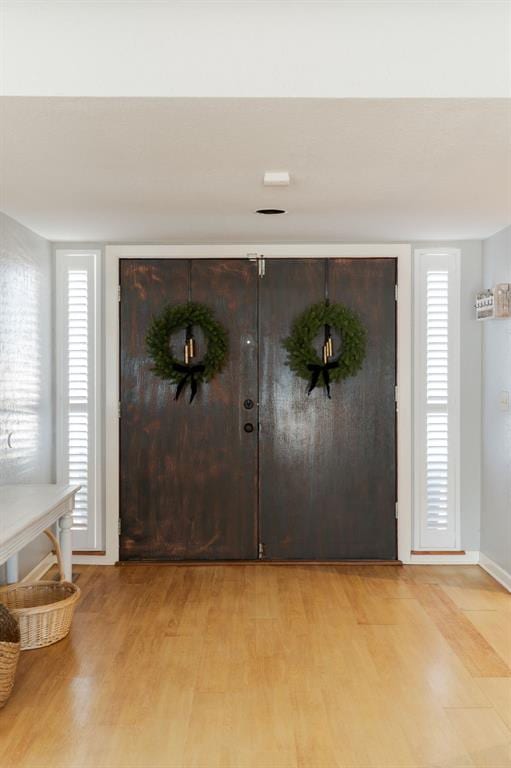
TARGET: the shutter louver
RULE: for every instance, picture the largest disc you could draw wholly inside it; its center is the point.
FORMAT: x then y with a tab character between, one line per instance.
78	390
437	471
78	465
436	393
79	364
437	388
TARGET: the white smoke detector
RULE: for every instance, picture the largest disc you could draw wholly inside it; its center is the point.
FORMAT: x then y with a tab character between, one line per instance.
276	179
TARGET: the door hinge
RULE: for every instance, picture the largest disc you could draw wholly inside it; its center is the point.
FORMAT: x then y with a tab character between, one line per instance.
395	393
396	513
396	292
119	409
261	266
119	526
261	550
118	293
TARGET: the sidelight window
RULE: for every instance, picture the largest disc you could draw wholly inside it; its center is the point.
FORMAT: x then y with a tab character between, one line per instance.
78	389
437	355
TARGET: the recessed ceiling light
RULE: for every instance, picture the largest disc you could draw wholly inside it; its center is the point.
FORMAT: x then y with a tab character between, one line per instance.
271	211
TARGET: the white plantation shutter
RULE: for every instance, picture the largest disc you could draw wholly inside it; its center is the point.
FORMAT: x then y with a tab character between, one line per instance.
78	385
436	399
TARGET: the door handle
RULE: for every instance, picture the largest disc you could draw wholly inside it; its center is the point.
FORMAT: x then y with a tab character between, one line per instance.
248	427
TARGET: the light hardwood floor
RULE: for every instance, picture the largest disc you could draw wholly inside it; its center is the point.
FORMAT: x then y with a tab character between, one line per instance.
270	666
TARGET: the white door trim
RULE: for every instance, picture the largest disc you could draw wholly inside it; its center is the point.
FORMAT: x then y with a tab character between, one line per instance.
401	252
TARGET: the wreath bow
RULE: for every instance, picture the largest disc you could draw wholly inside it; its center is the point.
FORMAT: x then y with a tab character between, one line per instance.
189	372
321	370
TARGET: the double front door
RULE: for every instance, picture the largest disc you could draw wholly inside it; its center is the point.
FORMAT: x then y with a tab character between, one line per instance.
254	467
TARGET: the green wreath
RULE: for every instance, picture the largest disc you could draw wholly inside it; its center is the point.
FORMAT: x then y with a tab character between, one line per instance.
305	361
167	365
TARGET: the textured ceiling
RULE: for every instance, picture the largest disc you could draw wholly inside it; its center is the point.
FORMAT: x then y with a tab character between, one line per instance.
190	170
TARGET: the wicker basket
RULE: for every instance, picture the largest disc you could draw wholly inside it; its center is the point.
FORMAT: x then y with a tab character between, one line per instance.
44	609
9	652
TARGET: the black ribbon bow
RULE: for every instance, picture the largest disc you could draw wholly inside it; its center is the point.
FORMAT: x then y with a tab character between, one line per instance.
321	370
189	374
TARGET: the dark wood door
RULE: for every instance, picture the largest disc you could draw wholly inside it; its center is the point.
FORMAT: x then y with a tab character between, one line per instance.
317	480
188	481
328	467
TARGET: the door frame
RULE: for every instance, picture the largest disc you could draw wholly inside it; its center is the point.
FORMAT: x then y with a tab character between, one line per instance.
403	255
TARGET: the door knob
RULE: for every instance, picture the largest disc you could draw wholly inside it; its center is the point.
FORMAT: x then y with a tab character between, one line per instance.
248	427
248	404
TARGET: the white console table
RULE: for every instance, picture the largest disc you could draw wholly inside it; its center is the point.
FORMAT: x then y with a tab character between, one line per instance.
25	511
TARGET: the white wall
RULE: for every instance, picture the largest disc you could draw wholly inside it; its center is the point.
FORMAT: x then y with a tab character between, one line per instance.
496	458
26	364
470	389
330	49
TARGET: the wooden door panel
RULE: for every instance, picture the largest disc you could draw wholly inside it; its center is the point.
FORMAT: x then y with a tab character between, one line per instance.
327	467
188	471
368	412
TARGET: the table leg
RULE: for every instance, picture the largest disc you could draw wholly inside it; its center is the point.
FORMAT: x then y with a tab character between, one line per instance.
12	569
65	523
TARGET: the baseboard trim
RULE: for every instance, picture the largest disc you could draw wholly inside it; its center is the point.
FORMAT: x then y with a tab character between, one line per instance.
423	552
89	552
496	571
97	559
39	570
469	557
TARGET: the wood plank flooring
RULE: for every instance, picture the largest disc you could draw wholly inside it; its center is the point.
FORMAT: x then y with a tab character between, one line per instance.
303	666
